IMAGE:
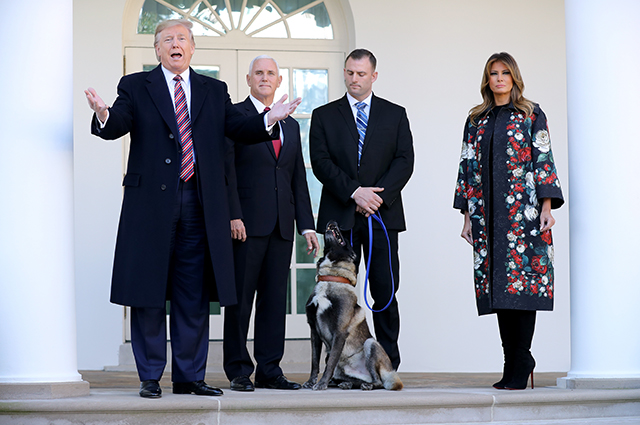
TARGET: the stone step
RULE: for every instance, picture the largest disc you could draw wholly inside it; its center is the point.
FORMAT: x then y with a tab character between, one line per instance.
542	406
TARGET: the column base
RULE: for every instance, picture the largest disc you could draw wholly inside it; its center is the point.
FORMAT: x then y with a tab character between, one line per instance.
43	390
598	383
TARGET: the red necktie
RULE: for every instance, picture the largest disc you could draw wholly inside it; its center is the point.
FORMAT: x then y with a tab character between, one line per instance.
276	143
184	127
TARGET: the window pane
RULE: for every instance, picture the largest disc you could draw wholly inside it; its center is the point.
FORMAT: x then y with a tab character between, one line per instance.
251	9
209	71
305	124
315	189
267	16
290	6
203	13
301	250
306	280
312	86
153	13
312	23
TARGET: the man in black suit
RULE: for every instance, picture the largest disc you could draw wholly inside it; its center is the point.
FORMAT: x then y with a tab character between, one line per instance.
267	191
173	239
362	152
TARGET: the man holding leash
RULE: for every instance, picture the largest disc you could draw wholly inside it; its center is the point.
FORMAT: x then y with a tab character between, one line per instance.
173	238
362	152
267	192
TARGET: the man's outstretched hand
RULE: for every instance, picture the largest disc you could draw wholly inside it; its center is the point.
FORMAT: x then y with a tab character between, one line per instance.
282	110
97	104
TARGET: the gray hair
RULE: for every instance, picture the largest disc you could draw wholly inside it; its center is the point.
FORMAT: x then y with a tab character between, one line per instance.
172	23
263	57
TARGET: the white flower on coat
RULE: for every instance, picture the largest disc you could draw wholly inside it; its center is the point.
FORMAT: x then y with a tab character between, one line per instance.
541	141
477	260
471	207
467	151
521	248
551	254
533	198
518	172
529	180
510	199
511	237
518	136
530	212
545	280
518	217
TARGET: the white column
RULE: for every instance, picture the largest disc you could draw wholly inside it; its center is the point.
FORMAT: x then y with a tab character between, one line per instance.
603	79
37	300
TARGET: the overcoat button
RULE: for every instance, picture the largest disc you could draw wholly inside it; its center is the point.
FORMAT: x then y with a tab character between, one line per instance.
163	187
171	136
168	160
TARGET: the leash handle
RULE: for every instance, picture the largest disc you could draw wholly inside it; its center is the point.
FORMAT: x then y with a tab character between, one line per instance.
378	218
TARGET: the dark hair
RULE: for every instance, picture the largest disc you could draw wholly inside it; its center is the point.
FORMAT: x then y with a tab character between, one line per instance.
360	54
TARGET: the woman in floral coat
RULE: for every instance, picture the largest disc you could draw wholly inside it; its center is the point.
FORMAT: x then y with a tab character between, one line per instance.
507	185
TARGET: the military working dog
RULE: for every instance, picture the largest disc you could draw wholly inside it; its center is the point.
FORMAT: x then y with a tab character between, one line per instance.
354	357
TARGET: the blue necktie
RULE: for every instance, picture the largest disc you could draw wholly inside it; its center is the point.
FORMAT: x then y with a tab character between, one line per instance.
361	123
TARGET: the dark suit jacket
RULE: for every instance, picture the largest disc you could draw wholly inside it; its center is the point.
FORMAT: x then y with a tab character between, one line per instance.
145	111
387	160
264	190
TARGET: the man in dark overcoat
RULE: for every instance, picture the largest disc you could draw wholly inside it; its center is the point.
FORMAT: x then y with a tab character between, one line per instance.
174	240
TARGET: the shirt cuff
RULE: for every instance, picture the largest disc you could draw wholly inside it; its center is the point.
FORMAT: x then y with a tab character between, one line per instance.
354	192
307	231
102	124
268	127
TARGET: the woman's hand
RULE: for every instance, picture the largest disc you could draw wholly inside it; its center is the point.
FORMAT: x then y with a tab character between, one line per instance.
466	229
546	219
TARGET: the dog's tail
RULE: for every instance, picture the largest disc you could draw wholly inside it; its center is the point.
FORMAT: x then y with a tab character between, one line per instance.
391	380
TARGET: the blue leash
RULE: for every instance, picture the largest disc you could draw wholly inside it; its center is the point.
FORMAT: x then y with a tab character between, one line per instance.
378	218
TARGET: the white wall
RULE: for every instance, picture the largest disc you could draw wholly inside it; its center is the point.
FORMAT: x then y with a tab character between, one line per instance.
98	177
430	60
431	56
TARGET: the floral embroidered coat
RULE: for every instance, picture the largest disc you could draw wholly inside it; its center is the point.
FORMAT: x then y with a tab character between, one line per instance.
505	171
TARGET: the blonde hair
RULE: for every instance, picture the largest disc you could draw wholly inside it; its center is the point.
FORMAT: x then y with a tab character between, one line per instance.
517	98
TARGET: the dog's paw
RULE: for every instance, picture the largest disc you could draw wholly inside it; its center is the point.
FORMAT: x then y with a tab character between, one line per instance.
345	385
320	386
365	386
309	384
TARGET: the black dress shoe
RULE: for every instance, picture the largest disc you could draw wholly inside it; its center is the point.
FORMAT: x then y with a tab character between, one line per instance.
150	389
195	387
279	383
242	383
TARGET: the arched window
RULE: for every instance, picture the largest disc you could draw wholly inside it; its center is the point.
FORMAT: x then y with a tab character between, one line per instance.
308	38
256	18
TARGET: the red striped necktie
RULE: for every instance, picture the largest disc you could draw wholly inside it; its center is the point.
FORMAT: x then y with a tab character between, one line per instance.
184	127
277	144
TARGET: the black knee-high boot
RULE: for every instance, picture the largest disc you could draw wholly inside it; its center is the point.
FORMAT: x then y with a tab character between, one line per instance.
524	363
506	326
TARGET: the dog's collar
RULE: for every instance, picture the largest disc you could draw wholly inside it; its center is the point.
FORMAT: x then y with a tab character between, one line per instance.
340	279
